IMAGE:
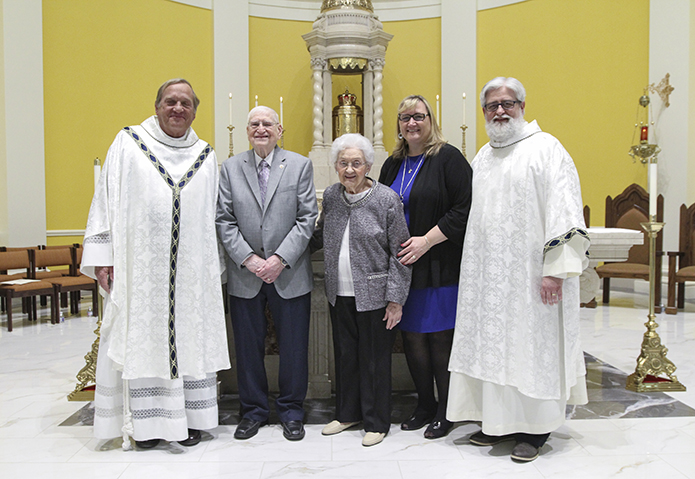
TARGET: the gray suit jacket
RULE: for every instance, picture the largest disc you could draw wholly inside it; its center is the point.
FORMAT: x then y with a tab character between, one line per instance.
283	226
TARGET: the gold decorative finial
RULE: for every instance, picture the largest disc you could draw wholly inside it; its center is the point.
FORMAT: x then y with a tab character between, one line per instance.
664	89
358	4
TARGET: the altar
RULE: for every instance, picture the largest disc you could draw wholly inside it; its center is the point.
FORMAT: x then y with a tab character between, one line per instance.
607	244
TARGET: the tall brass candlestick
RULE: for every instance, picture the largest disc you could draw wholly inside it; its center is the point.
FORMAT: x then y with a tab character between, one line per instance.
463	141
231	141
652	361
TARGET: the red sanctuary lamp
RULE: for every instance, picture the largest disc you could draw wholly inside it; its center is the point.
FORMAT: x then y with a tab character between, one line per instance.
644	135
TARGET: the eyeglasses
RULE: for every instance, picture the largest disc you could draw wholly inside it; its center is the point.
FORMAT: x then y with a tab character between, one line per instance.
416	117
254	125
507	105
356	165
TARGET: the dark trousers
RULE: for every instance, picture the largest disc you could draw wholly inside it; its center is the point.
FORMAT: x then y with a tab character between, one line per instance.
291	319
362	365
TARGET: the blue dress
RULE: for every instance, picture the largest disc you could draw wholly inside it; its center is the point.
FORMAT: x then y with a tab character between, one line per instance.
426	310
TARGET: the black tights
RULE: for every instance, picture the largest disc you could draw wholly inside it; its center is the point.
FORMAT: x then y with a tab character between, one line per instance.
428	361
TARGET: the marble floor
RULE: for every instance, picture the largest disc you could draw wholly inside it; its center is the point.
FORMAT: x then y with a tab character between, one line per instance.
618	434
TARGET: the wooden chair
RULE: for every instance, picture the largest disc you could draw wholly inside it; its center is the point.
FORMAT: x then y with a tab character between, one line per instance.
21	260
71	283
4	276
681	263
628	210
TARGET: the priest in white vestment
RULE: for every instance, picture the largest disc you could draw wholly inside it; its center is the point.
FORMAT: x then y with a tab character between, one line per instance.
516	360
151	243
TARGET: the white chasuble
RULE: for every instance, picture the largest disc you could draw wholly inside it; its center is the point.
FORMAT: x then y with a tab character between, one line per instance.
525	222
164	317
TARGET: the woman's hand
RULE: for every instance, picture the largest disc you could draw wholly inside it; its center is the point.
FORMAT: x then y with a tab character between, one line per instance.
413	249
393	314
551	290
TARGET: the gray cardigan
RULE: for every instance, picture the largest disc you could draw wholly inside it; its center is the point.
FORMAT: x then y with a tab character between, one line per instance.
377	229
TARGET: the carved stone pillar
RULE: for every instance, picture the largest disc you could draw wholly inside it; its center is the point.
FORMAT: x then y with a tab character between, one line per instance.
318	65
377	66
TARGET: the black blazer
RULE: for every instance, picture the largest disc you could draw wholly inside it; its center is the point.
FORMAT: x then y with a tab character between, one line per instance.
440	195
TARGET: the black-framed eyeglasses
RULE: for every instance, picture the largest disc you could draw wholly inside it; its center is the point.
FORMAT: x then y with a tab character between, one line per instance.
507	105
416	117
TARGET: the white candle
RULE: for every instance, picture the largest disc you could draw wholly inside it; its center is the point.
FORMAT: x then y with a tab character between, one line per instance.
256	100
652	189
281	115
464	109
230	109
439	122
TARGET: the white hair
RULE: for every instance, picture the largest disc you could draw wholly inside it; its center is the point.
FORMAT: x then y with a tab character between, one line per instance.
352	140
262	108
496	83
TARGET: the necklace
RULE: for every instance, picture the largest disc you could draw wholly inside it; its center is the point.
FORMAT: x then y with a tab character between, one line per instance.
401	190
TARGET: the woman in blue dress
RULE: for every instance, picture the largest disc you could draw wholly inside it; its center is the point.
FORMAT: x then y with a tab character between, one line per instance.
433	180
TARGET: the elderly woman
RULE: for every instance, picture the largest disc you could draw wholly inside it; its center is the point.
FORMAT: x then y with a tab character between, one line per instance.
433	180
361	229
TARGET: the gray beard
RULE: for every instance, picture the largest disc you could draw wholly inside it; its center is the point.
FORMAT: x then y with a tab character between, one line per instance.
502	132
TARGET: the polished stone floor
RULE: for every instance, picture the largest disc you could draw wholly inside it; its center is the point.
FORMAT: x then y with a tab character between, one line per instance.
618	434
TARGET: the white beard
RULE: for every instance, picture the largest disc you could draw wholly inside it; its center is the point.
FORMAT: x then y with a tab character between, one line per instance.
500	132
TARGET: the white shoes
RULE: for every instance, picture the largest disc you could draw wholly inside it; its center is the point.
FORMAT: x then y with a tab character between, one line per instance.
372	438
334	427
369	439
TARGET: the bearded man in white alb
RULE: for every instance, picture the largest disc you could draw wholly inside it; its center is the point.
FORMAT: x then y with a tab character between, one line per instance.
151	243
516	359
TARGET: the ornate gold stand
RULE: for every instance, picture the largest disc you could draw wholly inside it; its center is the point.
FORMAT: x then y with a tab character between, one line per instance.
463	141
87	377
231	141
652	362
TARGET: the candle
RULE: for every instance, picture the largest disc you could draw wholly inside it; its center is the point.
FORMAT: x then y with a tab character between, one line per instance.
230	109
256	100
464	108
644	136
281	115
652	189
438	119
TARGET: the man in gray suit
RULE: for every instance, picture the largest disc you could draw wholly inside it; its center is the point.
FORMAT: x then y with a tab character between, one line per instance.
266	213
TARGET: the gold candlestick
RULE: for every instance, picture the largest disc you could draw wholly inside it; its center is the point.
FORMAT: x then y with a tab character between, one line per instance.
231	141
87	376
463	141
652	361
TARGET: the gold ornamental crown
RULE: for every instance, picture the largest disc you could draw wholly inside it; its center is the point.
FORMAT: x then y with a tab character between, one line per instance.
346	98
359	4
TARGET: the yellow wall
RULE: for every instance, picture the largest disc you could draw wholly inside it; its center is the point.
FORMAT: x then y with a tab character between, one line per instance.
584	65
281	68
103	63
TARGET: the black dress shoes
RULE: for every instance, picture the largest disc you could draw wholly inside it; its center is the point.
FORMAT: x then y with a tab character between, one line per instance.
293	430
418	419
193	438
149	444
438	429
248	428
